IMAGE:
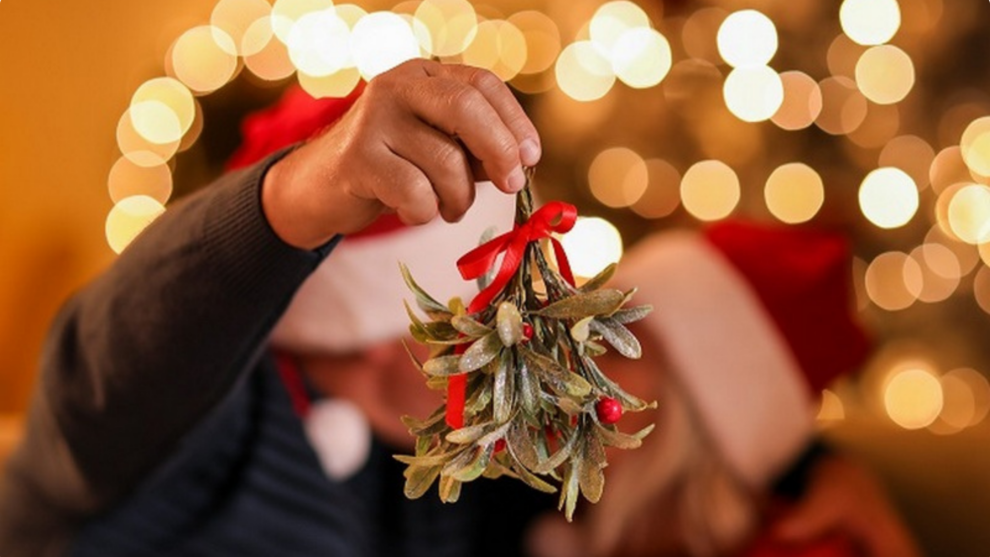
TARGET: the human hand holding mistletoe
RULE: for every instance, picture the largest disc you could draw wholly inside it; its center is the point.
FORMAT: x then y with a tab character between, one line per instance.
524	396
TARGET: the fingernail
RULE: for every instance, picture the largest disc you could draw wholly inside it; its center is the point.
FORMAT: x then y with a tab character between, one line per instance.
529	152
517	179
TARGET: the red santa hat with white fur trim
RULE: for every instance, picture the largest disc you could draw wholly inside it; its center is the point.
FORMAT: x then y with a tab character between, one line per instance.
755	320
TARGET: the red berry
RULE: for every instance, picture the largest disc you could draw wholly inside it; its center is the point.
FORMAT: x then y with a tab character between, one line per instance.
609	410
499	446
527	332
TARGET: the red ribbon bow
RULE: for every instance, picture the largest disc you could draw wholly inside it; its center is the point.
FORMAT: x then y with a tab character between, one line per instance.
555	216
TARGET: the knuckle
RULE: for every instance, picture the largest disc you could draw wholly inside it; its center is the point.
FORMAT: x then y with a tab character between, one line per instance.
466	101
484	80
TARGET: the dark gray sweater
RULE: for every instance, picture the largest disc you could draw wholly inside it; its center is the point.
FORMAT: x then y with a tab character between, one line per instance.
159	426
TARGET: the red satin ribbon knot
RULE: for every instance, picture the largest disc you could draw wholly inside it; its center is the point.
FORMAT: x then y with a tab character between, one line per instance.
555	216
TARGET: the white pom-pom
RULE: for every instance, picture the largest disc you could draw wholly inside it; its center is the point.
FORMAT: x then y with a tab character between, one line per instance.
340	435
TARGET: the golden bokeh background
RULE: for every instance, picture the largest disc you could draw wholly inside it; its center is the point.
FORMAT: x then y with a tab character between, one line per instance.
868	115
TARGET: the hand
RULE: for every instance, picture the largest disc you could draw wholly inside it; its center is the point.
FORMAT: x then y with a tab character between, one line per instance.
414	143
844	498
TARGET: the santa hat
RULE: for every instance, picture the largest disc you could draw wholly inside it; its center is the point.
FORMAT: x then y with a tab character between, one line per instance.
754	321
354	299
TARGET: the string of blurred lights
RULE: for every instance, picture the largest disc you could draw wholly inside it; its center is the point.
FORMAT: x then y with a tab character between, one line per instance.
329	48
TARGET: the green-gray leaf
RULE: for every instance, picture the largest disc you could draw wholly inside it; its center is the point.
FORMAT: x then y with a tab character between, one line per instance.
619	440
597	302
419	480
481	352
618	336
469	434
509	323
503	390
467	325
630	315
442	366
423	300
599	280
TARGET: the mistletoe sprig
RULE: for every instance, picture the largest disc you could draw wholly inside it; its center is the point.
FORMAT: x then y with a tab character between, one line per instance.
525	397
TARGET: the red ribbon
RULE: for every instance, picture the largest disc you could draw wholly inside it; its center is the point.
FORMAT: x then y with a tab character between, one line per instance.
555	216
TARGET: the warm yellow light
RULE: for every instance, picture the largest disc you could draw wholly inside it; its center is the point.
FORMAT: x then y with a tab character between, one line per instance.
893	281
452	25
885	74
271	61
641	57
753	94
842	56
911	154
747	39
697	33
285	13
975	146
964	253
583	73
128	179
888	197
940	272
978	390
662	195
959	407
350	13
201	59
981	288
913	398
156	122
948	169
969	214
831	409
870	22
843	106
710	190
139	150
802	101
611	21
592	245
542	40
498	46
381	41
338	84
235	18
794	193
175	97
984	252
319	44
618	177
128	218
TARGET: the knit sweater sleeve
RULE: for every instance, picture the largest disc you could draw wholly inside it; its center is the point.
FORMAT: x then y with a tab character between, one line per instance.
141	355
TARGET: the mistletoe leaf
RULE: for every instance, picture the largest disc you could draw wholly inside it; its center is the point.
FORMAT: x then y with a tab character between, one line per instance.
570	490
529	390
582	329
484	280
599	280
521	446
628	401
558	458
593	349
630	315
473	468
503	390
415	360
618	336
419	479
509	324
578	306
481	352
592	482
450	489
532	480
466	325
429	426
469	434
425	302
562	380
619	440
442	366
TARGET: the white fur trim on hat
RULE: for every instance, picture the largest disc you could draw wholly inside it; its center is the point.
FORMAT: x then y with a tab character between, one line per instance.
724	348
354	298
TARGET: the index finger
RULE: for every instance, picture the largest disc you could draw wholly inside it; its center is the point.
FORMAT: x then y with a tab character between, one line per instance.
503	101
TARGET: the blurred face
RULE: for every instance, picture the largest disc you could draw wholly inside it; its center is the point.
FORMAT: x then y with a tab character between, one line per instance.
382	381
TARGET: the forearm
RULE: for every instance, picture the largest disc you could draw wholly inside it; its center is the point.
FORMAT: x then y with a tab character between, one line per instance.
142	354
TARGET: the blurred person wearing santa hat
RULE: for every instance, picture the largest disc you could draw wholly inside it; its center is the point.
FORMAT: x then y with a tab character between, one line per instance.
163	425
750	322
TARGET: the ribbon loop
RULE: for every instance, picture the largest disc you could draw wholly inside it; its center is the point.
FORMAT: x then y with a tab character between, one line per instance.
555	216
